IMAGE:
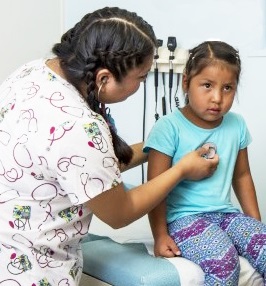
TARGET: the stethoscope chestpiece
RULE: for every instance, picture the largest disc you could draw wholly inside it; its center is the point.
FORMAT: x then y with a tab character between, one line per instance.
211	150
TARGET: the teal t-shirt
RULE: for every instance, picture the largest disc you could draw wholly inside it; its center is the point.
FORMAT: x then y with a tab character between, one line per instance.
176	136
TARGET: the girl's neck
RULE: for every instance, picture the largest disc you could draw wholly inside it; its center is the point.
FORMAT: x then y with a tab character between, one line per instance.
192	117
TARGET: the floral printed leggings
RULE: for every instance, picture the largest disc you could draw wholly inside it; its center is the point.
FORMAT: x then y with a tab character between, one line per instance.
214	241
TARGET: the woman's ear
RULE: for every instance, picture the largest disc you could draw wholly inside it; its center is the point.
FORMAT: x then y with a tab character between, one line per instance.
103	77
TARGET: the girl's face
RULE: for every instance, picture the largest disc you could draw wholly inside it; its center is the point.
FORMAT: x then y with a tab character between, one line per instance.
211	94
115	91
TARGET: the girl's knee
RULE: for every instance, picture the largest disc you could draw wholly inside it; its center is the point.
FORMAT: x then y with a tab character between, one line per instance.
259	261
223	268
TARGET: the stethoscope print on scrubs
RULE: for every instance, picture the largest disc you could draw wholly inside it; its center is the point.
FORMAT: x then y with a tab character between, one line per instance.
56	98
97	140
60	132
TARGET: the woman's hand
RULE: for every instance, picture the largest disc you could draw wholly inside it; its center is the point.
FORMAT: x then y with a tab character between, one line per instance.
195	167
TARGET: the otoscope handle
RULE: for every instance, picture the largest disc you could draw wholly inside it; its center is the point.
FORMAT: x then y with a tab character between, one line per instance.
156	77
164	105
171	78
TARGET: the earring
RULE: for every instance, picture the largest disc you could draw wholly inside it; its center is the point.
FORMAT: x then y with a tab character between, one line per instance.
99	90
103	81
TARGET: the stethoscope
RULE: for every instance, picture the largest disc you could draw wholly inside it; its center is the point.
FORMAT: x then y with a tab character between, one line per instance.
212	149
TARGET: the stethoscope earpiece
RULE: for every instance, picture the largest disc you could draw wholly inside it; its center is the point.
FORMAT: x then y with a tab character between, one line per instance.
104	79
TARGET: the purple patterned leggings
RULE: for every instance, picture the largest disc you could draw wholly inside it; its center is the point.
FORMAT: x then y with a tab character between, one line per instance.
215	240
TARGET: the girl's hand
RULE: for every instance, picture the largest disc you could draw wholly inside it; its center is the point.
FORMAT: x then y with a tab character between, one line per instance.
166	247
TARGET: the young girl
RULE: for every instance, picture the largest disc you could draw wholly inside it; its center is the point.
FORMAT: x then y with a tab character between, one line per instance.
198	219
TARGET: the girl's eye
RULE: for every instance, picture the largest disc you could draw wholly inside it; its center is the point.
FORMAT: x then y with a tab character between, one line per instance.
227	88
207	85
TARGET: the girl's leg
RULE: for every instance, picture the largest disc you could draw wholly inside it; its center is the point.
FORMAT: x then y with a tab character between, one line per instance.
204	243
249	237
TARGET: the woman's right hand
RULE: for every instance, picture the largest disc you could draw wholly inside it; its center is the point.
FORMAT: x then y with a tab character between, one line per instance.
195	166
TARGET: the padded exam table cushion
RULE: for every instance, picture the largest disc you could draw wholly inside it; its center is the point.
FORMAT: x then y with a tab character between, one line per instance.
127	264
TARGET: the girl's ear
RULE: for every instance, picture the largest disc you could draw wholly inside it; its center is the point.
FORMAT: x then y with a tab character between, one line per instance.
185	83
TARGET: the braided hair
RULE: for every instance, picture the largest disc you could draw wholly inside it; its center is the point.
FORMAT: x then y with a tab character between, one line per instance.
110	38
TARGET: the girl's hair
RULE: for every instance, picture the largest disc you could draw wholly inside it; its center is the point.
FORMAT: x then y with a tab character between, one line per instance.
208	53
110	38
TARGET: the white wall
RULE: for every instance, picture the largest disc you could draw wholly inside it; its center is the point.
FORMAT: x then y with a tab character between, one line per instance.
241	23
29	28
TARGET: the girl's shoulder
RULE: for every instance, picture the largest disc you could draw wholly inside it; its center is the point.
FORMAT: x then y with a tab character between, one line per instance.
231	115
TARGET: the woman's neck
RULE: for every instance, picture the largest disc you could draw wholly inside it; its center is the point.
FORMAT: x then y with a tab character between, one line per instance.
54	65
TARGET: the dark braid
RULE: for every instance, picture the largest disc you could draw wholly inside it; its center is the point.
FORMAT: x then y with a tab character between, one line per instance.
110	38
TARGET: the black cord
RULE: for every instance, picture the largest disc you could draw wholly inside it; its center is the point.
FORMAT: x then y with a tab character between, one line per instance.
163	98
156	92
156	71
177	103
144	111
144	124
171	74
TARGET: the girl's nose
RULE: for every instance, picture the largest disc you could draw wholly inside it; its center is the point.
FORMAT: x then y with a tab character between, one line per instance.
217	96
